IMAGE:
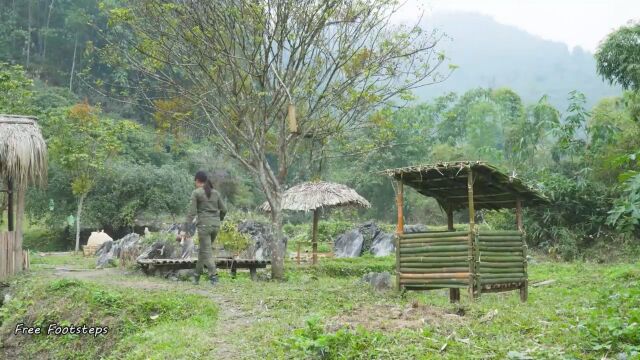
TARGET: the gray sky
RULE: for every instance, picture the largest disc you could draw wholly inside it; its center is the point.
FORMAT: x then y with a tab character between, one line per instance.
574	22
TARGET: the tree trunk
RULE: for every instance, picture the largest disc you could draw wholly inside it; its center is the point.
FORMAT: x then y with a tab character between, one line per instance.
73	65
80	202
277	245
28	34
46	32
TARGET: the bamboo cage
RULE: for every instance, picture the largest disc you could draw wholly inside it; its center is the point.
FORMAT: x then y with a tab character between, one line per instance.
476	260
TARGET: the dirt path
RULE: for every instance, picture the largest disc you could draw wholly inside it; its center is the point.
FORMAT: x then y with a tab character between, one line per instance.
232	320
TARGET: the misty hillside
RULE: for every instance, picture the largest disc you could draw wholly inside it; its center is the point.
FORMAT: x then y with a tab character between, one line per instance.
490	54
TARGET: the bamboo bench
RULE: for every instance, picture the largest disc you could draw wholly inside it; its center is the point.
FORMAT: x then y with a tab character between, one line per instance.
149	266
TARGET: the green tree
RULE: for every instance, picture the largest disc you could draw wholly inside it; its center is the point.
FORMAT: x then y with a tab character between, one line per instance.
16	89
240	64
618	57
82	145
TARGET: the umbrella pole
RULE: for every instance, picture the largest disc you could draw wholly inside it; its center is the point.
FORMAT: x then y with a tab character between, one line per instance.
314	237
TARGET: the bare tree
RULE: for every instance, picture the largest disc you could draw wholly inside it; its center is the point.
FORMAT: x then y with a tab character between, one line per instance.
241	63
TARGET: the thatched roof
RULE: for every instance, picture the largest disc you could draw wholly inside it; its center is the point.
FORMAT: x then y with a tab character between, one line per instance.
23	151
447	183
319	194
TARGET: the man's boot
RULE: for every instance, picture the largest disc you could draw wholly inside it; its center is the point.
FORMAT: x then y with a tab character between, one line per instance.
213	279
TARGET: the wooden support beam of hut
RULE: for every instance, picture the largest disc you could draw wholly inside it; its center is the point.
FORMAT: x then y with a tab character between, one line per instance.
314	238
10	222
472	227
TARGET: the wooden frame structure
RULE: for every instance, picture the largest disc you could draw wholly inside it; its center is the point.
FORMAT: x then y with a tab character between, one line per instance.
481	261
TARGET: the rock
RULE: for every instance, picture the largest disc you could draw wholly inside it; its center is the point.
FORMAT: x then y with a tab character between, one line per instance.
369	231
408	229
379	281
348	244
383	245
106	255
261	235
184	274
161	250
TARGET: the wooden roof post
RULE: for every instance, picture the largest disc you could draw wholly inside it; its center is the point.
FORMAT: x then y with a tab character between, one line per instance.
399	230
314	237
450	217
10	226
519	225
472	226
400	206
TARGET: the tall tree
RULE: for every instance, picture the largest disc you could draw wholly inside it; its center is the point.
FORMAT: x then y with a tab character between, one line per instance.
618	57
82	145
242	63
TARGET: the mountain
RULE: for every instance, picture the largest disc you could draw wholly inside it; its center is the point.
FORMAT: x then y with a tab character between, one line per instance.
490	54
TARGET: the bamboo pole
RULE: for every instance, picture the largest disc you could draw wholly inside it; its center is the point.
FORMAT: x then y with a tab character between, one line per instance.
435	235
472	228
499	233
435	265
418	270
461	275
399	230
19	218
445	259
400	206
500	265
454	292
432	249
314	238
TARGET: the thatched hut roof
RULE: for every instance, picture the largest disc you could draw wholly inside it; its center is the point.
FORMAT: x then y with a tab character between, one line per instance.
23	151
447	183
318	194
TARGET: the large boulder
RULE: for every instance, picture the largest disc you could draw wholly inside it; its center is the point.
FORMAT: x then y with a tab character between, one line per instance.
379	281
349	244
261	235
383	245
98	238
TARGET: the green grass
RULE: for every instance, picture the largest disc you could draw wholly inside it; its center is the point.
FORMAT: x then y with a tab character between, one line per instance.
66	260
591	311
141	324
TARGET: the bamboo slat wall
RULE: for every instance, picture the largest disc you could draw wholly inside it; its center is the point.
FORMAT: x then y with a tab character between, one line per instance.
433	260
501	258
488	261
10	255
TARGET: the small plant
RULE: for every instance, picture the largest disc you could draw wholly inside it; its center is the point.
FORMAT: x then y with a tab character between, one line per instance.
312	342
232	239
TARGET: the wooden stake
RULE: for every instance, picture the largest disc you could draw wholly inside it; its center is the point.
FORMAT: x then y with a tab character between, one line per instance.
314	237
454	293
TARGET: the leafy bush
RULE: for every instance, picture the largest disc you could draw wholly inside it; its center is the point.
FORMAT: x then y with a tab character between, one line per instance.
354	266
229	236
312	342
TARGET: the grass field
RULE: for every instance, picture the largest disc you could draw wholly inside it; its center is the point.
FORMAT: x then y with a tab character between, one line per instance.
590	311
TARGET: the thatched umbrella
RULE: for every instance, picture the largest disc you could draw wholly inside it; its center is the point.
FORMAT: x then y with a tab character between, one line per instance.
23	161
315	195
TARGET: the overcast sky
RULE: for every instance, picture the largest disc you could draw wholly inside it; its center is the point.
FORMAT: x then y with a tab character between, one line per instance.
574	22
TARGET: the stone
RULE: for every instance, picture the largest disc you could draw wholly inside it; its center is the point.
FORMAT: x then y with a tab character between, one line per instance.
383	245
379	281
261	235
349	244
369	231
